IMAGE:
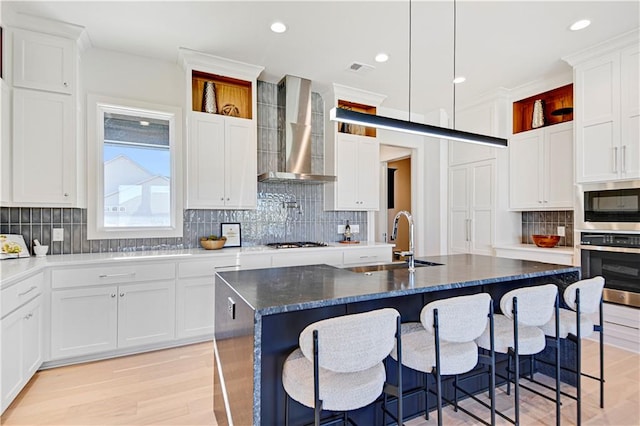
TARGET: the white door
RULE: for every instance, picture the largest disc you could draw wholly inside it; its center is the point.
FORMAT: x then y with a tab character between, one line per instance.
195	307
525	166
459	229
32	337
83	321
558	168
241	164
44	156
368	160
206	161
11	356
481	207
630	112
146	313
346	172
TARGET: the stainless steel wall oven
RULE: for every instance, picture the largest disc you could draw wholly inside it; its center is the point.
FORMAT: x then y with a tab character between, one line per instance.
616	257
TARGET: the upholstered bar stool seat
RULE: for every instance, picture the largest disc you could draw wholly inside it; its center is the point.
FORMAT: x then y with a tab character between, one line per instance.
530	339
339	391
419	351
568	325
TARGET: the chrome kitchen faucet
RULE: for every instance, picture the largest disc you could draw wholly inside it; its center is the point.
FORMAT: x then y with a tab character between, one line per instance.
394	235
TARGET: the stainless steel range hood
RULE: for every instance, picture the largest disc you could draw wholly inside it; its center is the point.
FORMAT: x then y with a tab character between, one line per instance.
294	134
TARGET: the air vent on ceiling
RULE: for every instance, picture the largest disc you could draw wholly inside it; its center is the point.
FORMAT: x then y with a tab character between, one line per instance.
360	68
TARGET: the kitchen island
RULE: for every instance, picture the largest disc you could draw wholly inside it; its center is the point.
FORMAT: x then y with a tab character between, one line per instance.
260	313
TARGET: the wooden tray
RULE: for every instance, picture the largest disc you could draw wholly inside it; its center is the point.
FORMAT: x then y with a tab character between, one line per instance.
349	242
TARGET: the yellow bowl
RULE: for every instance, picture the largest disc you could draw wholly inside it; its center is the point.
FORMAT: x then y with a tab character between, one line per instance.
212	244
546	241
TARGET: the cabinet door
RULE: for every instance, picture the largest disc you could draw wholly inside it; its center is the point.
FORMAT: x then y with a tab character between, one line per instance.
346	172
43	62
44	154
525	167
598	129
195	306
32	337
146	313
11	357
558	169
481	207
241	164
206	161
459	229
630	114
83	321
368	169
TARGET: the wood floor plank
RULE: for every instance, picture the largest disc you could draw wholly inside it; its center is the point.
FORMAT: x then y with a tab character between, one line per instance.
175	387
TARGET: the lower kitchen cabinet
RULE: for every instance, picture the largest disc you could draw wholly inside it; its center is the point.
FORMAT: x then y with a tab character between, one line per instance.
90	320
21	353
195	306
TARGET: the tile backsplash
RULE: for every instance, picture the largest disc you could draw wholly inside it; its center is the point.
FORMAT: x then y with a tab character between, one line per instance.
285	211
547	223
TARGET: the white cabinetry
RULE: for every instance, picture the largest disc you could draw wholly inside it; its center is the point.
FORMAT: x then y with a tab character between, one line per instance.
472	207
222	162
222	158
45	164
607	111
98	309
43	62
541	171
353	159
357	168
21	345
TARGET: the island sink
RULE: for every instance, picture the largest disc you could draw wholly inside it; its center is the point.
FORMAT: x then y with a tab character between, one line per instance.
390	266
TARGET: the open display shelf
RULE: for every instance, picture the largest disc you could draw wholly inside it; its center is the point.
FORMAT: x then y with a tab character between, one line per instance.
559	100
355	129
233	96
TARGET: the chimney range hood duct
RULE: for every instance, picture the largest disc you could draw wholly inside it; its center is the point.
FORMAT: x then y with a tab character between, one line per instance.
294	134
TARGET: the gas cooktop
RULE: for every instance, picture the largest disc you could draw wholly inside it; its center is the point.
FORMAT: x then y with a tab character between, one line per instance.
296	245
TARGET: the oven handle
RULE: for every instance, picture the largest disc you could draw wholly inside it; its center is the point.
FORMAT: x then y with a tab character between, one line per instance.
607	248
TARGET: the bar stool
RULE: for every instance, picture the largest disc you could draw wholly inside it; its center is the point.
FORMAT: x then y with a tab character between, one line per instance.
443	343
517	332
583	298
338	366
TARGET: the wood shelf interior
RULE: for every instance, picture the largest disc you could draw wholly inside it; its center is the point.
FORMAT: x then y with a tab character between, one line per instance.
230	93
355	129
553	100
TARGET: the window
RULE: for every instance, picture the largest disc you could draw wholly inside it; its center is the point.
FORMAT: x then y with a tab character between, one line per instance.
133	169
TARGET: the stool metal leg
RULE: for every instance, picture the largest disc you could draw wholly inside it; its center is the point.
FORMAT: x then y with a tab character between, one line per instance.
316	381
516	385
601	331
438	378
557	343
492	366
578	361
426	396
286	409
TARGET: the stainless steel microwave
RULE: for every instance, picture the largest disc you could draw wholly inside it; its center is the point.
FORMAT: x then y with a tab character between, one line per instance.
610	206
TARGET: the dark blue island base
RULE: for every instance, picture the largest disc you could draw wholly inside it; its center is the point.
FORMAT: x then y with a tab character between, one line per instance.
260	313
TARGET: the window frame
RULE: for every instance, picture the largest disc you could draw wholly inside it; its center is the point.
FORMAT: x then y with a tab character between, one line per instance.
97	105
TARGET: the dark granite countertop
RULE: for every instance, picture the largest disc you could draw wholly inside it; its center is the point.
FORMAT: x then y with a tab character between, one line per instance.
276	290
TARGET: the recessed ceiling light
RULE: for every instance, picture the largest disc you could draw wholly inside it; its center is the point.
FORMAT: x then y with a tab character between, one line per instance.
278	27
580	25
459	79
382	57
144	123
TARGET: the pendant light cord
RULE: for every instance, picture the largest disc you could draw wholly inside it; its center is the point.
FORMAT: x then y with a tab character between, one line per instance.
454	61
409	61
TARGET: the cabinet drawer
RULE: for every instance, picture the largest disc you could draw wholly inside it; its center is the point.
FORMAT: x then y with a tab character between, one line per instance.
355	256
208	267
111	274
15	296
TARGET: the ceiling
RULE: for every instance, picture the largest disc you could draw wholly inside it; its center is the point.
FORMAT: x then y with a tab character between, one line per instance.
499	43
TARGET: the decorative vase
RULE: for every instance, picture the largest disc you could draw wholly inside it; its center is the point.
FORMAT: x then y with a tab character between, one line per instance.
538	114
209	98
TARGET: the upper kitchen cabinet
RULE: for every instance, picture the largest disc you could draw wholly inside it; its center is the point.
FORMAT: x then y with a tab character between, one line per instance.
607	110
44	62
541	168
352	153
488	116
46	167
221	159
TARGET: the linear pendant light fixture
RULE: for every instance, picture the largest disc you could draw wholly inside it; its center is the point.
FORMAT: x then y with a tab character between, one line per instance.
379	122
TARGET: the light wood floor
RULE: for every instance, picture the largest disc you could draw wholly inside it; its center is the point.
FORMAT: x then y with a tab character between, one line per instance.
174	387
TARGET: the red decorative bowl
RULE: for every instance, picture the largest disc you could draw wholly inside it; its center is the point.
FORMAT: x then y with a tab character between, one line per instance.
546	241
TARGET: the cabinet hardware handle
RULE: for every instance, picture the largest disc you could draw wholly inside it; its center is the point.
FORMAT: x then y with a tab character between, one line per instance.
615	159
121	294
65	84
128	274
624	159
29	315
367	257
66	194
28	291
221	198
113	295
225	266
